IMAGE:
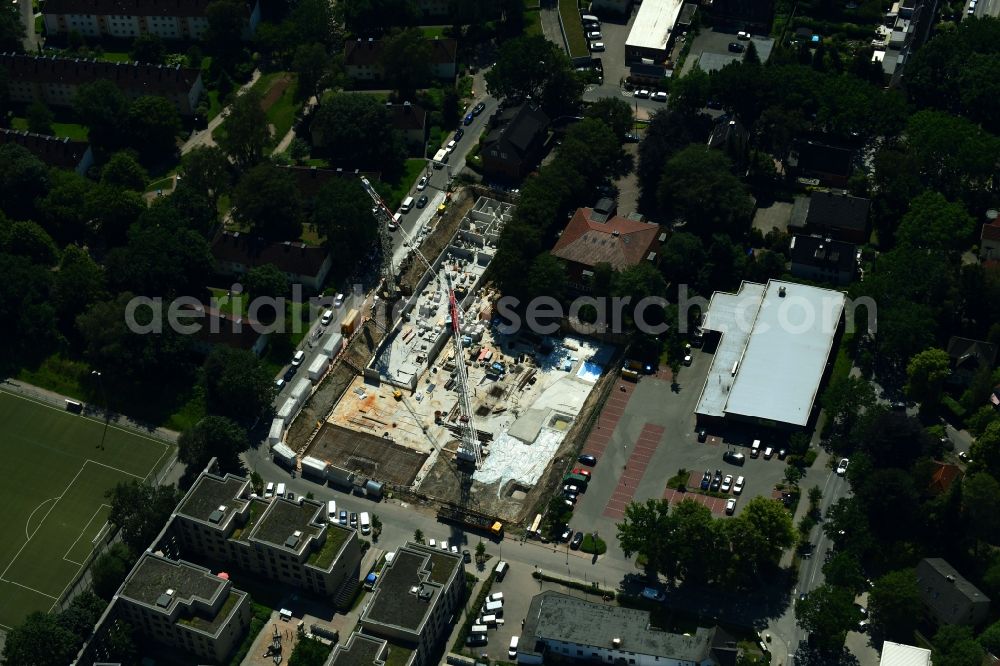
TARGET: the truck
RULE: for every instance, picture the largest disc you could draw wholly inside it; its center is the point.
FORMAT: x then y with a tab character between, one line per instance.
576	479
472	519
350	322
440	158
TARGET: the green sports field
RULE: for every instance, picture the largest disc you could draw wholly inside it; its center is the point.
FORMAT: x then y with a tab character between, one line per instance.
52	504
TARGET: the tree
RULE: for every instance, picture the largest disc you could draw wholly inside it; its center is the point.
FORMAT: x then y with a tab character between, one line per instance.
140	510
111	211
405	57
891	602
266	280
546	277
356	131
82	614
159	261
237	384
534	67
698	186
309	652
206	171
103	108
268	201
29	240
828	613
78	283
310	63
955	646
226	21
843	571
646	531
844	400
954	154
11	34
153	124
342	214
418	536
985	450
109	570
690	92
213	437
695	542
976	489
39	117
124	172
480	550
40	640
682	257
990	638
26	308
558	513
613	112
933	223
770	527
926	373
23	178
148	47
245	134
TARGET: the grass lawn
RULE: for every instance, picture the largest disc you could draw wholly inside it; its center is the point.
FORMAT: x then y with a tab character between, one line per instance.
411	172
53	496
278	92
67	130
569	10
116	56
214	104
434	31
532	22
161	184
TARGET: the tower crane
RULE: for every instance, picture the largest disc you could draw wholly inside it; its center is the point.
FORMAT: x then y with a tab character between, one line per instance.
470	450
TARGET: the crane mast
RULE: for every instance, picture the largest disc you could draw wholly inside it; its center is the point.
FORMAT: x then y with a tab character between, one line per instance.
383	216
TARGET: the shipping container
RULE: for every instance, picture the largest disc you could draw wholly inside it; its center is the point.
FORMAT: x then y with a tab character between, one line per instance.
283	454
318	367
350	322
332	344
314	467
276	432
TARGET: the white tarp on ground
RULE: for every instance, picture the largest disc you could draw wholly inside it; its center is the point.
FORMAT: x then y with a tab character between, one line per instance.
512	459
277	430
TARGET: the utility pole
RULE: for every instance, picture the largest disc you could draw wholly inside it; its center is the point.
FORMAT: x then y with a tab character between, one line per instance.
107	410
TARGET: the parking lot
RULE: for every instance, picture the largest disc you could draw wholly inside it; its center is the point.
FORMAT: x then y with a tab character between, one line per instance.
716	45
630	469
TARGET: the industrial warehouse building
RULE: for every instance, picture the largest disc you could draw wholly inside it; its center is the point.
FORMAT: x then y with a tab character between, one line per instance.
772	344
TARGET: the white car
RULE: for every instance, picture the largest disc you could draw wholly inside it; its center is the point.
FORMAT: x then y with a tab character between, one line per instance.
730	506
768	452
597	46
642	92
659	96
743	34
422	183
687	359
338	301
842	466
727	483
595	36
299	357
738	486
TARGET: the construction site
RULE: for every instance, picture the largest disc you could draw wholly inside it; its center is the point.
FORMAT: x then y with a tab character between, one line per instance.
449	406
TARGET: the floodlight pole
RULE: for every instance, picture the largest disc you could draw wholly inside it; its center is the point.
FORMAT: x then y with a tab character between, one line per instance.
107	411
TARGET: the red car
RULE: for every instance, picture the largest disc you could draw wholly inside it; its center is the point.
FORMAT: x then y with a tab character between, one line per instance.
582	472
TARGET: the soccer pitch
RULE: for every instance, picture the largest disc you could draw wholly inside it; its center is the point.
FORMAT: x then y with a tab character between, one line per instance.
52	504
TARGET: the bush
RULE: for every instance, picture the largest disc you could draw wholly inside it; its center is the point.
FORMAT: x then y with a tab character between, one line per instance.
260	615
593	545
593	588
951	406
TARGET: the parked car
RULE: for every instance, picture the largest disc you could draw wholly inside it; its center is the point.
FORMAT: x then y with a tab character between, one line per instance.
338	301
706	480
570	488
782	454
659	96
478	108
587	459
595	35
702	435
632	137
716	484
642	92
566	535
653	594
755	448
963	456
730	506
842	466
743	35
466	556
597	46
727	483
279	383
299	357
468	119
570	497
577	541
738	486
459	133
768	453
736	47
422	183
687	359
354	519
734	457
343	518
422	201
476	640
582	472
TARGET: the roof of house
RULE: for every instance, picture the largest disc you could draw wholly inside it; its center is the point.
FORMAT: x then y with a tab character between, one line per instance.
143	78
838	211
821	157
358	650
54	151
823	253
219	328
516	129
944	475
966	350
361	52
991	231
776	341
210	493
728	131
619	241
294	258
410	586
407	116
127	7
945	590
554	616
284	518
653	24
154	575
897	654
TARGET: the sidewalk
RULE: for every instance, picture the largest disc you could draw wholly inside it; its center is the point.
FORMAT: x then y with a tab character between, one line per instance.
204	137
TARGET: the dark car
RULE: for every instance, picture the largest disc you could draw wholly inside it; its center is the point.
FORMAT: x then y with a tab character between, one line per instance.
354	519
587	459
459	133
566	535
706	480
702	435
716	480
422	201
478	108
468	119
736	47
571	497
290	373
475	640
343	518
466	556
577	540
734	458
782	454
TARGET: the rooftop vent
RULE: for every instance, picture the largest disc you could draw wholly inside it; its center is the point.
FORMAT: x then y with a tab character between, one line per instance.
781	292
293	541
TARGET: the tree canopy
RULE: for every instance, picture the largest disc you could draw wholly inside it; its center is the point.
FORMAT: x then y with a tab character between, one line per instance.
213	437
698	186
237	384
267	200
140	510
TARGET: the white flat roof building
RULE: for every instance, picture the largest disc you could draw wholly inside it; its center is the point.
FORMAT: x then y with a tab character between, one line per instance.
775	342
653	27
897	654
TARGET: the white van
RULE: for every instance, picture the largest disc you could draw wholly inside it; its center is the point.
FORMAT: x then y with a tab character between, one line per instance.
451	145
269	490
365	522
512	650
281	490
338	301
755	448
496	596
397	221
298	358
493	608
407	205
589	18
478	629
488	620
501	570
326	318
331	511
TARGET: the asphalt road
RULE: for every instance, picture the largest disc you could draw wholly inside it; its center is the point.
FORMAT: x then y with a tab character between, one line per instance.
31	41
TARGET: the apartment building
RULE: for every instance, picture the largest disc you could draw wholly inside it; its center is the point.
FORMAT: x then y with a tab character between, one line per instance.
415	600
363	59
127	19
55	80
186	606
55	151
287	541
